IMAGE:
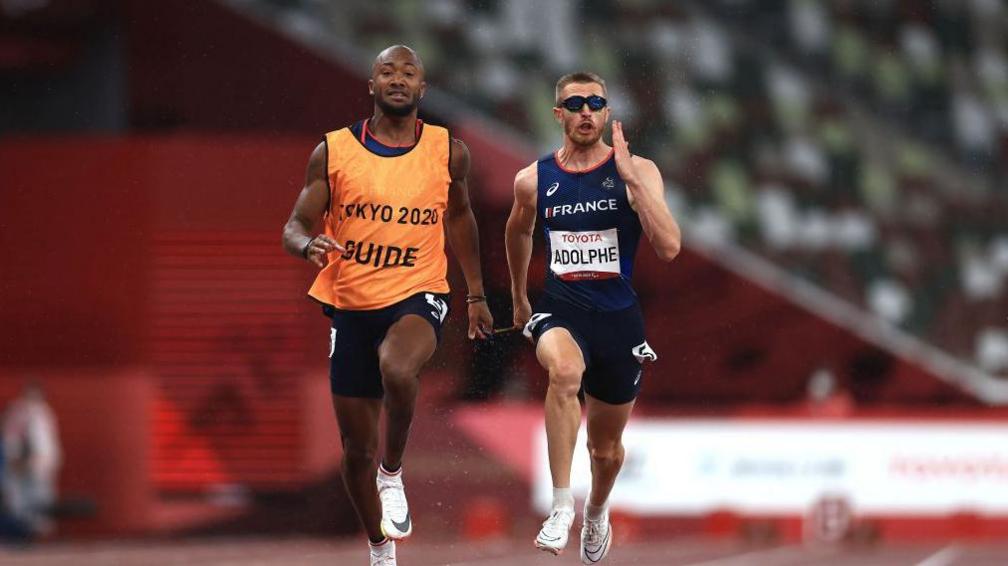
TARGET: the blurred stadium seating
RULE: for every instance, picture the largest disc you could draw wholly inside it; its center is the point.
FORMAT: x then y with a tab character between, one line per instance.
855	144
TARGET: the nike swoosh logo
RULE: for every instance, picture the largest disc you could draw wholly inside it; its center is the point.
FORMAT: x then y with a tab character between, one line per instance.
596	555
403	526
552	189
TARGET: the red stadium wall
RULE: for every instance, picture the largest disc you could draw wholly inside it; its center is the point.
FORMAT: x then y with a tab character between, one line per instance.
164	254
199	65
82	217
74	239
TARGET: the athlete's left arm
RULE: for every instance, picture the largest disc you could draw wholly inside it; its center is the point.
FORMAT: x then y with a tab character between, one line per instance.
646	192
463	235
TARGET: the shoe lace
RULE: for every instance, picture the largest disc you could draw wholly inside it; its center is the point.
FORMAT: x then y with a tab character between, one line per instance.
558	522
393	498
594	530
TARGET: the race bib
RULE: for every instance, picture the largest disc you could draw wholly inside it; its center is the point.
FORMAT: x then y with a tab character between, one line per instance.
592	254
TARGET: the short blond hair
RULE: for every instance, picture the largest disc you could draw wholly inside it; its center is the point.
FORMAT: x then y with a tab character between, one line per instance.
579	77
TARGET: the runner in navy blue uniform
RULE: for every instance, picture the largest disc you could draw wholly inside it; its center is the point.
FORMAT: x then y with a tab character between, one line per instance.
593	202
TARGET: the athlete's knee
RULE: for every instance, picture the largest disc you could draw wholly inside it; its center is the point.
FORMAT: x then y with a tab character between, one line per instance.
565	377
607	452
397	373
359	454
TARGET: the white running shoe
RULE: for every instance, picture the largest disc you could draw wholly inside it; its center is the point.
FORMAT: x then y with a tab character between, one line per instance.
555	530
596	538
383	554
395	522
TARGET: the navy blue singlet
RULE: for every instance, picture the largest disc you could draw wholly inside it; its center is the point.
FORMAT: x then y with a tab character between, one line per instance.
361	132
591	234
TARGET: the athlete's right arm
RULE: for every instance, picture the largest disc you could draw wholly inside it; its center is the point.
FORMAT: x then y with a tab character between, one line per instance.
308	210
518	240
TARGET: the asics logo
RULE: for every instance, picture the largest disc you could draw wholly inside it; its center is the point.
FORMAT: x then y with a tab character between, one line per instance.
644	352
552	189
536	319
440	307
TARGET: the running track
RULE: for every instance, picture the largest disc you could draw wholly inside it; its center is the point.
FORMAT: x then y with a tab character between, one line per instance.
310	552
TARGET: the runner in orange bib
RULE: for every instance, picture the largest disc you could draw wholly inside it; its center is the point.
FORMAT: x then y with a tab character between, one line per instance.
387	189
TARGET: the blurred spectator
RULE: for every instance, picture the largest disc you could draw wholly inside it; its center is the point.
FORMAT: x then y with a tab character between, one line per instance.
11	529
810	26
824	397
806	161
778	218
545	28
889	300
992	350
32	457
711	59
981	279
790	97
974	127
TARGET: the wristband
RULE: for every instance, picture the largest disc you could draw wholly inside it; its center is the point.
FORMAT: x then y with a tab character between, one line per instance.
470	299
304	250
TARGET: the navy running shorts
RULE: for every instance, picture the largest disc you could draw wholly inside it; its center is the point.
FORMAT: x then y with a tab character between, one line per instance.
355	336
612	343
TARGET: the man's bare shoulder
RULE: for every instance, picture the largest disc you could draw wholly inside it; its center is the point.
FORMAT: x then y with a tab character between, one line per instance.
527	177
459	146
459	159
524	181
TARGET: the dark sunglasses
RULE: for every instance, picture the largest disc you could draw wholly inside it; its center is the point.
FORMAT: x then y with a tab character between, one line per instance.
576	102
